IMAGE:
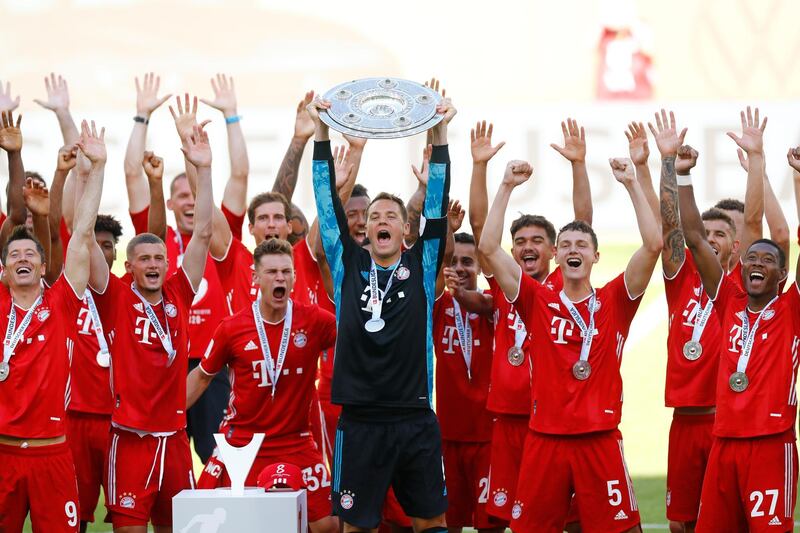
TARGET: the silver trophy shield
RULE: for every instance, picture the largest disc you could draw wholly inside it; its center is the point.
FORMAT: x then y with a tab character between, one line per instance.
381	108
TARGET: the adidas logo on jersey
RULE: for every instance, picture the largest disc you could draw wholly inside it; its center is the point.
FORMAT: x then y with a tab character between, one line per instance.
553	305
138	306
775	521
621	515
250	346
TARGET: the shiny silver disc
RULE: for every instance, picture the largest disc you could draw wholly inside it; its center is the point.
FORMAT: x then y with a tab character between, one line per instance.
738	382
581	370
516	356
692	350
103	359
4	370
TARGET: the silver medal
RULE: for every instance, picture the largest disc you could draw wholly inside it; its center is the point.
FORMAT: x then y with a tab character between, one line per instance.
374	325
4	370
738	382
516	356
103	359
581	370
692	350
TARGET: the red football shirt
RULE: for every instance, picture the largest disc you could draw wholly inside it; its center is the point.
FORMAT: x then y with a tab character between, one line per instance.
562	404
252	409
209	306
769	404
510	390
34	396
148	395
461	399
690	383
235	222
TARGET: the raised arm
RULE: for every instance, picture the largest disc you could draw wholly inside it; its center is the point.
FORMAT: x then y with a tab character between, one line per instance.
640	152
67	157
793	156
157	213
235	196
58	102
482	152
641	265
11	142
669	142
197	151
574	151
455	217
506	271
79	250
37	201
286	180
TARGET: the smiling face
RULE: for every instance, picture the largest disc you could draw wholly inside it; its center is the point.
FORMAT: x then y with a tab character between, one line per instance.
23	264
532	250
721	239
465	263
761	269
385	228
576	254
274	274
181	203
147	264
356	211
269	221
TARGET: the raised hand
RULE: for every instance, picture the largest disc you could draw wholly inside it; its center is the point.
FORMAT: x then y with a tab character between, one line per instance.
57	94
667	138
422	174
447	109
92	145
37	197
147	99
623	170
455	215
186	117
10	134
303	124
574	149
434	84
6	102
224	95
517	173
686	160
357	143
341	166
67	157
793	156
197	150
153	166
752	139
451	280
481	143
637	143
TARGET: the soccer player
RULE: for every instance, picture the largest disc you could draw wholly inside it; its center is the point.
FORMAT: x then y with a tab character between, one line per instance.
272	350
387	433
38	474
573	445
149	459
751	476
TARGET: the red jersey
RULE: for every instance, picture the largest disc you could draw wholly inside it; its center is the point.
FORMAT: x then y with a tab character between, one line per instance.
690	383
562	404
769	404
209	306
510	390
91	383
252	407
149	394
461	396
235	222
34	395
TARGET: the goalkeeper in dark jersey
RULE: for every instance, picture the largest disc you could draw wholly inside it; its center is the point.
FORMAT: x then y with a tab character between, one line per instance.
388	434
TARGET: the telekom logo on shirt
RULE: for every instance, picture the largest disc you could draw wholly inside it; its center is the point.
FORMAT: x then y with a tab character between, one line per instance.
735	338
690	313
449	339
146	330
84	321
561	328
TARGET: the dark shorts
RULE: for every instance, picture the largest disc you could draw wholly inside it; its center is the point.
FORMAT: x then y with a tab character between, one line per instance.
403	451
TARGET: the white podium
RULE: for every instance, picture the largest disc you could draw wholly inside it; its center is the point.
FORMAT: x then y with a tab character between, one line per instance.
220	511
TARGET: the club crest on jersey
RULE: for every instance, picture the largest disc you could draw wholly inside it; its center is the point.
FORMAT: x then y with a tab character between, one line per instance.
42	315
516	511
596	305
500	498
128	500
769	313
402	273
347	500
300	339
171	310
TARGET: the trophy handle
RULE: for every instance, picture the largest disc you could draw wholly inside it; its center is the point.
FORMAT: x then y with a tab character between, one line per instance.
238	461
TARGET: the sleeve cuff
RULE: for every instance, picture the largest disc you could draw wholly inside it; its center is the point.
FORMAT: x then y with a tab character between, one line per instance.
440	154
322	151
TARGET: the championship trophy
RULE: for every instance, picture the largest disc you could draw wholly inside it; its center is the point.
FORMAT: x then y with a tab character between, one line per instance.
381	108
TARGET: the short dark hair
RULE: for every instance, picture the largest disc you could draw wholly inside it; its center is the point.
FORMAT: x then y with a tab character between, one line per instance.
730	204
172	183
716	213
464	238
781	255
142	238
108	224
359	191
525	221
583	227
21	233
391	198
267	198
272	246
35	176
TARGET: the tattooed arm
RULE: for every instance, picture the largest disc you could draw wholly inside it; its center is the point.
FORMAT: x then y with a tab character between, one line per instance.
286	180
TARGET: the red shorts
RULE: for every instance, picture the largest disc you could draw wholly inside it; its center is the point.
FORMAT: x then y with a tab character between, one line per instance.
591	466
307	458
466	475
750	484
508	441
41	480
393	513
87	435
143	474
690	442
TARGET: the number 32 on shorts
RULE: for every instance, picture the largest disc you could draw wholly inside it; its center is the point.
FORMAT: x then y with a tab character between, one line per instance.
313	481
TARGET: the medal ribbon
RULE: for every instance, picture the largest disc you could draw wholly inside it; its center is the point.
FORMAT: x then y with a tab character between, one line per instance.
164	336
519	331
464	331
587	332
273	368
374	293
749	337
702	319
97	326
12	337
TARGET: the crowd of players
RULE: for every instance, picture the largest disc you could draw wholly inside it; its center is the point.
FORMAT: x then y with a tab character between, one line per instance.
104	379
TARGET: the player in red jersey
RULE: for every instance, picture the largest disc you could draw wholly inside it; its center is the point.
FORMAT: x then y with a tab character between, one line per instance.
38	474
273	383
573	445
149	459
751	475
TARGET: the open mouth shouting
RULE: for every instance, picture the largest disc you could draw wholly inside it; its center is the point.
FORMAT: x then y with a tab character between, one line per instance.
152	276
23	270
383	237
574	262
529	260
756	278
279	294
